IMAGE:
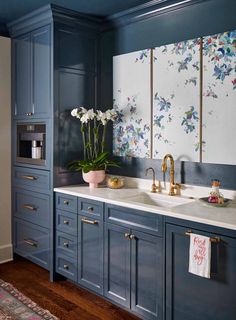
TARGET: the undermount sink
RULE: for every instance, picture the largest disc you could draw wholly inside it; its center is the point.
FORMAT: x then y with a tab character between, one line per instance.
163	201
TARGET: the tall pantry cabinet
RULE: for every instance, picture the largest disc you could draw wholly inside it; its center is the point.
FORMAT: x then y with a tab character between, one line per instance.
54	68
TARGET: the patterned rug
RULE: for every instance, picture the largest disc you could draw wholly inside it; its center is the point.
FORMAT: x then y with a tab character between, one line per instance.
16	306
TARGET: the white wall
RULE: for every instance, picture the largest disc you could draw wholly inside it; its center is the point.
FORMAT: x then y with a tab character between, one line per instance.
5	150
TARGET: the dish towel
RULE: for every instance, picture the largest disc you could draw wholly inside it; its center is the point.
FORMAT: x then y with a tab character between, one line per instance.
200	255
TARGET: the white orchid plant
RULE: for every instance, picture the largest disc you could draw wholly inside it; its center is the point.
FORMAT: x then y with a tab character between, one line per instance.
93	130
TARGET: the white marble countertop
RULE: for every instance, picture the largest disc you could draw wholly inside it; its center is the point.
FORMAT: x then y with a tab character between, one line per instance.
193	210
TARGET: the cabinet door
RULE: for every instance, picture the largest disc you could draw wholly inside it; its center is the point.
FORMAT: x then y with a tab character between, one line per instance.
189	297
147	275
41	72
117	264
22	81
90	253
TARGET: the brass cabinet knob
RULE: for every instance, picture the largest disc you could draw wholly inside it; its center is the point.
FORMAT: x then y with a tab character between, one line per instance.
66	244
132	237
90	209
65	266
127	236
66	202
66	222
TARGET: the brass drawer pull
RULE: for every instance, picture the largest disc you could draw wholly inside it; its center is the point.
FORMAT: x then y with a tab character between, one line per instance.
66	244
89	221
65	266
29	207
214	240
31	243
66	202
90	209
66	222
29	178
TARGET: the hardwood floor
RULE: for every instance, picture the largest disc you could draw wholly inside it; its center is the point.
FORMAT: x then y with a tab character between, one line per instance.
63	299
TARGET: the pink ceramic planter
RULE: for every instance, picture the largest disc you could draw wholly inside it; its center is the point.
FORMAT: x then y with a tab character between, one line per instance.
94	177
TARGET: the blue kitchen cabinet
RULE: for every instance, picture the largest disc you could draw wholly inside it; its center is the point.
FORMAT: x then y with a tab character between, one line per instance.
90	253
21	53
133	261
117	264
190	297
32	74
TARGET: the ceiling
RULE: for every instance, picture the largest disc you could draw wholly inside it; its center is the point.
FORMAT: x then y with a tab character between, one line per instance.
13	9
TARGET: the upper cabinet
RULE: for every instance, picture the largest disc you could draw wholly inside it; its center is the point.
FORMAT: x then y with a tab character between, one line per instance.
32	74
219	98
176	104
179	99
131	94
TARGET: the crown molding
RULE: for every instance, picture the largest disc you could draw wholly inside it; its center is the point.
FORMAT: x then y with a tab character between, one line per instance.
145	11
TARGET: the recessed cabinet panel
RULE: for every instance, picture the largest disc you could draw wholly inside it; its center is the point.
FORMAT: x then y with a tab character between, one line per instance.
117	264
22	81
147	275
90	257
41	69
219	98
176	102
131	94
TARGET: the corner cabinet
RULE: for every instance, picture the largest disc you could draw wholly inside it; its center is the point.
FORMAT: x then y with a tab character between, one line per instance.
32	74
189	297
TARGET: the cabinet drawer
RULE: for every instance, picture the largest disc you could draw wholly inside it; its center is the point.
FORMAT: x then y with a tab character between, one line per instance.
66	222
66	202
66	244
66	266
31	242
90	208
135	219
31	206
31	179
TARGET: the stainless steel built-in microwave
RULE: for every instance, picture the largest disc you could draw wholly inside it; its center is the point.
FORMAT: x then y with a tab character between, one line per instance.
31	143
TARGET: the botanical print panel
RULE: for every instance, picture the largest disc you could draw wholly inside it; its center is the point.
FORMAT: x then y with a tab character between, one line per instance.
131	94
176	100
219	98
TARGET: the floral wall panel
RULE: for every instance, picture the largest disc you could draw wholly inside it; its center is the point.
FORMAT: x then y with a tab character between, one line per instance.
219	98
176	100
132	96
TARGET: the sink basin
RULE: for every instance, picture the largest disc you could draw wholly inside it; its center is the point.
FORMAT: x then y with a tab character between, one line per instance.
158	200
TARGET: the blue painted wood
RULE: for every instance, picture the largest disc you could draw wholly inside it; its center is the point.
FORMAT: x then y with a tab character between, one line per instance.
90	253
21	105
117	264
147	275
143	221
90	208
66	202
66	266
189	297
66	222
41	72
32	179
31	242
66	244
31	206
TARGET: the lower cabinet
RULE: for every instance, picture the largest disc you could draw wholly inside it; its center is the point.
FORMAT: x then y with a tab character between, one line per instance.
133	270
31	242
90	253
190	297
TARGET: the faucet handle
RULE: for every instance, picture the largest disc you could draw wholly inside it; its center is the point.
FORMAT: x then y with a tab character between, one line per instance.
177	188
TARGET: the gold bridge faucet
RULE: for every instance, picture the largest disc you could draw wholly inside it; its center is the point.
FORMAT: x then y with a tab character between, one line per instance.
174	187
155	188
